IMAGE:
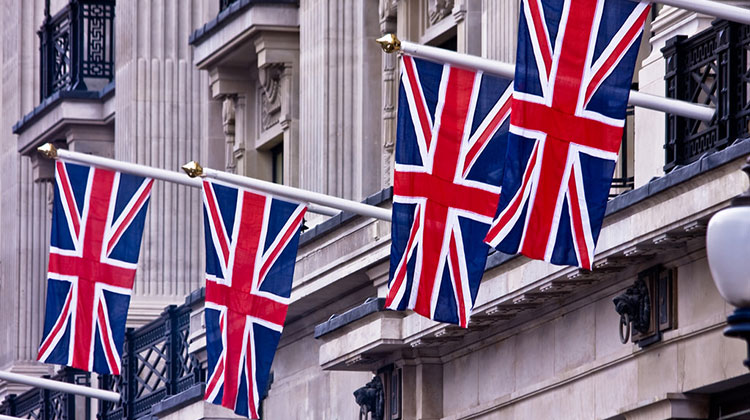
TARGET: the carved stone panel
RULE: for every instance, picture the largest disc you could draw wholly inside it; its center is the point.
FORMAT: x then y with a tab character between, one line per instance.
439	9
269	78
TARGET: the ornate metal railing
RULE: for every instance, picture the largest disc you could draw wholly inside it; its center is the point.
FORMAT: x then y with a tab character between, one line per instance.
42	404
711	68
623	180
223	4
155	365
77	46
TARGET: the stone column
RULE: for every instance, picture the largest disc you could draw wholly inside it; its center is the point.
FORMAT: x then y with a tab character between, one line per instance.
422	390
340	83
499	30
161	108
468	17
390	81
25	218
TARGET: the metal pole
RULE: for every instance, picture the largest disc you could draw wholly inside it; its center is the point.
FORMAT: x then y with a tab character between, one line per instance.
52	152
194	169
712	8
673	106
60	386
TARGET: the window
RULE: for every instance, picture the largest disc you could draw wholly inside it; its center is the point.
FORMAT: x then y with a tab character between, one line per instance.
77	47
277	163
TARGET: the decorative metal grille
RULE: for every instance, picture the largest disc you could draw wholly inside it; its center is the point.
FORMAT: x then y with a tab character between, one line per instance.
223	4
77	44
623	180
710	68
156	364
42	404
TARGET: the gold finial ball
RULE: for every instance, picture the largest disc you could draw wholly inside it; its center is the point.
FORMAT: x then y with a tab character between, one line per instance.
47	150
193	169
389	43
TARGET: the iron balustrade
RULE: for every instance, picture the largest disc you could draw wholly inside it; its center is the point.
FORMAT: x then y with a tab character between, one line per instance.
43	404
156	364
710	68
223	4
77	47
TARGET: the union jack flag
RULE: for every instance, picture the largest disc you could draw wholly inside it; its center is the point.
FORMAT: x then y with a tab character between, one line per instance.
574	67
452	126
97	225
251	247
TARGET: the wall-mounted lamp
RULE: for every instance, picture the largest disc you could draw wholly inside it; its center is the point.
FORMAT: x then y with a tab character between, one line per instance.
728	249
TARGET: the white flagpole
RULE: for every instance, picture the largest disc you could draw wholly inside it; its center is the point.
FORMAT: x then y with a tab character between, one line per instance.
712	8
99	394
52	152
283	191
390	43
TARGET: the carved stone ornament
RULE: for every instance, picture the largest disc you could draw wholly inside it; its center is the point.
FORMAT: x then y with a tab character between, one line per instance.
270	83
634	307
371	399
438	9
228	122
388	9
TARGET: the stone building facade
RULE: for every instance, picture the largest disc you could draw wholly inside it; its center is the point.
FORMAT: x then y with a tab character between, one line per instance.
297	92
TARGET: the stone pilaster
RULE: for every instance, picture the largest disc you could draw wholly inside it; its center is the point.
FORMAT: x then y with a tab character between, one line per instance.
499	30
162	105
649	155
340	83
24	216
422	389
468	17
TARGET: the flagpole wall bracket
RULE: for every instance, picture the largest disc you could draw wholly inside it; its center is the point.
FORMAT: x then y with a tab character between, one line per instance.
48	150
193	169
389	43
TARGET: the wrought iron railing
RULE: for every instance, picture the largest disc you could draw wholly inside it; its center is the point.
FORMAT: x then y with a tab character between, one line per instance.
155	364
223	4
623	180
711	68
77	46
43	404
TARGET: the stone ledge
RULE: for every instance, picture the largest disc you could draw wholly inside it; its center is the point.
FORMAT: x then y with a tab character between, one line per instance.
336	221
53	100
226	15
370	306
176	402
679	175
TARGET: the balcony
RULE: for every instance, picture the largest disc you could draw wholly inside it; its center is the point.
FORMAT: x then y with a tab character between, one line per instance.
77	47
44	404
160	360
76	109
710	68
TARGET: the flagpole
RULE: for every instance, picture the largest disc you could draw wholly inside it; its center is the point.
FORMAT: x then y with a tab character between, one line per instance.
50	384
712	8
52	152
193	169
390	44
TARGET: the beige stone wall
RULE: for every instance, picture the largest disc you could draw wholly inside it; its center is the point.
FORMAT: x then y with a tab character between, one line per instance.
158	104
571	365
302	390
161	120
500	30
340	79
24	216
